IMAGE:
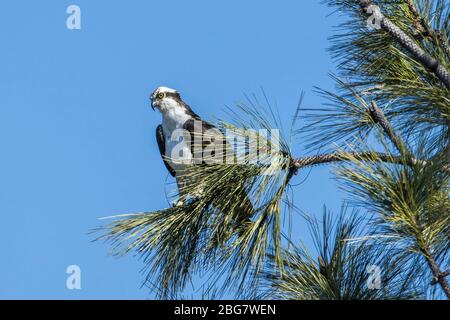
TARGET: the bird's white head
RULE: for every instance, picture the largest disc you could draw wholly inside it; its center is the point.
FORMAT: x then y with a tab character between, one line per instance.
165	99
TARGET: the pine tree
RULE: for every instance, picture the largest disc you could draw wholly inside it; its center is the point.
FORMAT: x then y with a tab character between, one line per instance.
386	125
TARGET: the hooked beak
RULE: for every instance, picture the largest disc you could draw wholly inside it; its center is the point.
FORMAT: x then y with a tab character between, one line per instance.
152	103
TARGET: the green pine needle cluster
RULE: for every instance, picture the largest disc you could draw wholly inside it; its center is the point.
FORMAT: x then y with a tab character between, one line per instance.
338	266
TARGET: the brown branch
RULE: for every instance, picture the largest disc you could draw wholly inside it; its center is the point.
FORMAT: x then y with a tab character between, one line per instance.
443	42
438	275
378	117
420	23
311	161
409	44
413	9
442	275
344	156
424	30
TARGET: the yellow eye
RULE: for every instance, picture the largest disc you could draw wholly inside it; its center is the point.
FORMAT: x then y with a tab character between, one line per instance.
161	95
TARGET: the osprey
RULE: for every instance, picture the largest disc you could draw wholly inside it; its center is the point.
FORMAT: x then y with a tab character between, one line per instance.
178	137
183	138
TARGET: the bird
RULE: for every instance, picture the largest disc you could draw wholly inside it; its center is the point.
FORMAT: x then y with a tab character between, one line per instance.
176	137
182	138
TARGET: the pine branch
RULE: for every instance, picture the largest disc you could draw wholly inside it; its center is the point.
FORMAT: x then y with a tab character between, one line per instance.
438	275
443	42
413	9
442	275
421	26
344	156
340	270
409	44
379	117
311	161
424	29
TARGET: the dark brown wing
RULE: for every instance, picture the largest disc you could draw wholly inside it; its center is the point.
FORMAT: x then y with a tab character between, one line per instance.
243	212
197	129
162	149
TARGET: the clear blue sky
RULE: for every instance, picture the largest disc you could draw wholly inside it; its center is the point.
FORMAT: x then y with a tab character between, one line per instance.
77	132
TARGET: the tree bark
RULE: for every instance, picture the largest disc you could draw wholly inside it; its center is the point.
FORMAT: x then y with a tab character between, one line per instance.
378	117
439	276
342	156
409	44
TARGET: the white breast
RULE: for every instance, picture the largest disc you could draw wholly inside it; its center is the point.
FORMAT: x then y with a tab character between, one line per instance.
176	148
